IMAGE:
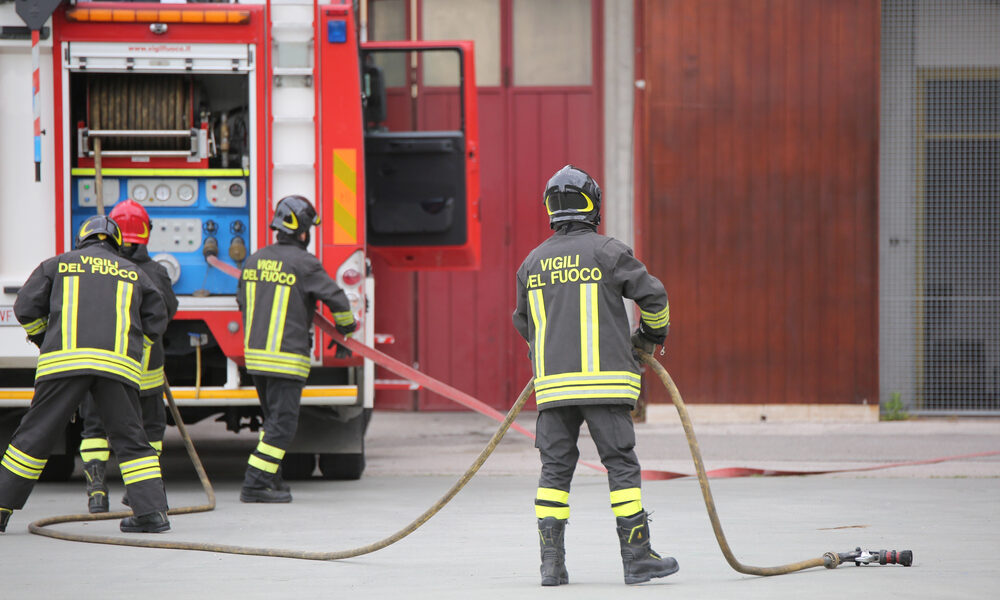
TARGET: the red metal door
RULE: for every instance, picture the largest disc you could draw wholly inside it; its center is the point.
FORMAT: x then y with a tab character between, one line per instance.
457	326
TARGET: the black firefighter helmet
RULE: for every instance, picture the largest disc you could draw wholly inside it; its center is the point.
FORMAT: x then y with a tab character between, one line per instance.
294	215
97	226
572	195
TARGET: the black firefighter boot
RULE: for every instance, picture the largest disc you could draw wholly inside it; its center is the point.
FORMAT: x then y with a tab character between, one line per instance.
154	522
97	490
264	488
5	514
641	562
551	536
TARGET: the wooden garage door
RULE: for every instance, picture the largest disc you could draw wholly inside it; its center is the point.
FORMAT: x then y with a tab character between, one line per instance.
759	194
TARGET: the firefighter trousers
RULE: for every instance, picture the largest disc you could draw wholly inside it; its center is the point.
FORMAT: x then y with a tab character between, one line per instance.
557	432
94	435
279	401
53	405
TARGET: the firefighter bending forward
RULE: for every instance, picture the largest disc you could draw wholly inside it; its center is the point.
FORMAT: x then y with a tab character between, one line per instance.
277	296
93	316
134	222
571	313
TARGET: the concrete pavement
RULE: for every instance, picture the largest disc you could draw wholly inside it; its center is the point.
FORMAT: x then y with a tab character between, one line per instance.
484	545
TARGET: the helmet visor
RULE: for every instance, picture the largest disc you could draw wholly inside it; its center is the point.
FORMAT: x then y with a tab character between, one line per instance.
568	201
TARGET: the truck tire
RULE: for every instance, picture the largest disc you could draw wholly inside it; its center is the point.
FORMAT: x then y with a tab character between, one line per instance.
298	466
342	467
58	468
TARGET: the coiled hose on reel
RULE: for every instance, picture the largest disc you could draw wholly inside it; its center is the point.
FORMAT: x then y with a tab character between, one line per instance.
829	560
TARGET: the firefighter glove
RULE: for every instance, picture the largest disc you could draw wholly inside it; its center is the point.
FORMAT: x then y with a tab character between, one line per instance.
347	329
37	339
646	341
342	351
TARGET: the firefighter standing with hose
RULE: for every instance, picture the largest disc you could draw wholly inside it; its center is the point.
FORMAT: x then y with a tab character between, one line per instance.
135	225
93	315
277	295
571	313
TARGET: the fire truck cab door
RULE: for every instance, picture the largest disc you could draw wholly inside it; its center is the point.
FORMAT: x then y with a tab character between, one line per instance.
421	154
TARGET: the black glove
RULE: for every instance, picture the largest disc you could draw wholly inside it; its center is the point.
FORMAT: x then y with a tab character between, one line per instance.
344	330
646	341
37	339
641	342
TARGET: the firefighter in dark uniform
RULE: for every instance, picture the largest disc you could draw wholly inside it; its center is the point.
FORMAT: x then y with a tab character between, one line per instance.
93	316
134	223
571	313
277	295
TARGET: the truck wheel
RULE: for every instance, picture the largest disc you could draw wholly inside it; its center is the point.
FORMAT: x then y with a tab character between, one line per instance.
298	466
58	468
342	466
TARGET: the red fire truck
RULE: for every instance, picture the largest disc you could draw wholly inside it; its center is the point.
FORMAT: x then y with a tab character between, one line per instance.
207	114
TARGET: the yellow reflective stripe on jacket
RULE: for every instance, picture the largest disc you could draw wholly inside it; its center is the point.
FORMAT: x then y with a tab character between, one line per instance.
536	303
590	350
22	464
601	377
62	361
157	445
151	379
343	318
37	326
251	290
123	318
71	295
657	319
606	384
147	353
277	362
279	309
140	469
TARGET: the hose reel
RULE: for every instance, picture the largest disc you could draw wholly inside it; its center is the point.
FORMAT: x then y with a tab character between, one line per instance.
141	115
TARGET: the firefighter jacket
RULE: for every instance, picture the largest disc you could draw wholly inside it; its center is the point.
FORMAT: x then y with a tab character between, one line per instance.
151	380
277	295
571	313
95	312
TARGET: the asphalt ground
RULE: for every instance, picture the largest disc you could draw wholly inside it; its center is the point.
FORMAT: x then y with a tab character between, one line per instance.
484	543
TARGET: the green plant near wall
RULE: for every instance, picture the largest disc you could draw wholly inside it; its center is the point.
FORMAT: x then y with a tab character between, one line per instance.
893	410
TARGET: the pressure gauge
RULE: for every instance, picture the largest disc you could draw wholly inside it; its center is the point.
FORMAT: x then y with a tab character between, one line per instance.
185	193
140	193
162	192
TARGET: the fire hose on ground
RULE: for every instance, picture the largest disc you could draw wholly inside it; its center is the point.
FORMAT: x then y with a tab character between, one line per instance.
829	560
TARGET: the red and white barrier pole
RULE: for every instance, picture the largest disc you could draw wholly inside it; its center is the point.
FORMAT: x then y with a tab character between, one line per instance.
36	103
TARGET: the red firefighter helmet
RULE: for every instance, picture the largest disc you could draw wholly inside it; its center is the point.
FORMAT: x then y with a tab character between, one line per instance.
133	220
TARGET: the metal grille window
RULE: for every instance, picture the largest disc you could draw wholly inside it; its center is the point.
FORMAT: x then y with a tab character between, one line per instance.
940	206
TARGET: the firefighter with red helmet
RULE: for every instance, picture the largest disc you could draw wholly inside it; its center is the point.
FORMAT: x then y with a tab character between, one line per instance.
93	316
277	295
571	313
135	225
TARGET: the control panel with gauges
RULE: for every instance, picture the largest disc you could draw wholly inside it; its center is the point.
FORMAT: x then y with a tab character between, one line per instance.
189	215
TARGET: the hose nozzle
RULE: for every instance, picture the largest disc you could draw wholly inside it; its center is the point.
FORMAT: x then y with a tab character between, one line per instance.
882	557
